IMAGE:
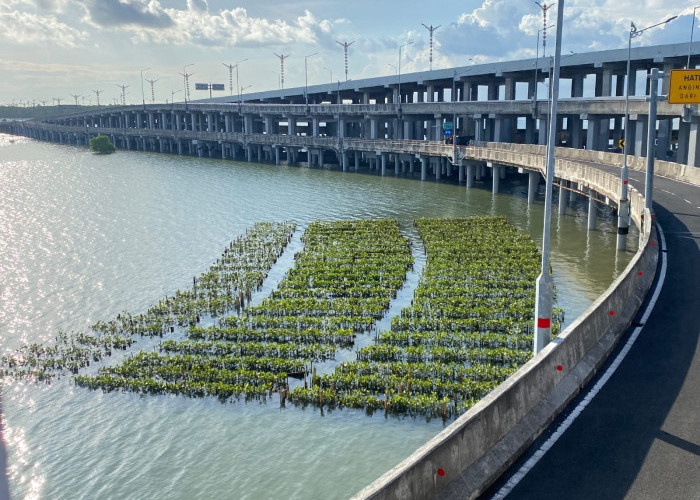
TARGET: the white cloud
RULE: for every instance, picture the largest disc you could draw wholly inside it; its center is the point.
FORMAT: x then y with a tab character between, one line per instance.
26	28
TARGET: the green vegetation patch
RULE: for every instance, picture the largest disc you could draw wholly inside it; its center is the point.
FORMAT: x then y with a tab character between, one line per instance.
468	328
225	287
341	283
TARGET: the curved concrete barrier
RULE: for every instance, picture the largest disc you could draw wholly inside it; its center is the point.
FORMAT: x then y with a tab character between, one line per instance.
475	449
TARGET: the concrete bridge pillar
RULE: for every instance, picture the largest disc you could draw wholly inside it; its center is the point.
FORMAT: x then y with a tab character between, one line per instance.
533	180
423	168
291	125
639	126
437	167
543	131
693	154
277	155
357	161
562	197
496	177
591	210
577	86
344	160
575	126
407	129
314	127
529	130
384	160
373	128
471	167
397	164
430	93
249	153
460	173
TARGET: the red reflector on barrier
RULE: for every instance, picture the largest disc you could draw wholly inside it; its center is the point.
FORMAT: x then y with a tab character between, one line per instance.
544	322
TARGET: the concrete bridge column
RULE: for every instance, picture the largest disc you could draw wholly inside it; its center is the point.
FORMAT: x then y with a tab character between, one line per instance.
562	197
591	210
460	173
478	128
533	180
639	126
291	126
193	126
357	161
260	153
575	126
373	128
543	131
314	127
248	124
693	155
249	153
407	129
344	160
471	167
490	126
577	86
423	168
179	147
529	130
430	93
496	177
277	155
438	130
437	166
593	133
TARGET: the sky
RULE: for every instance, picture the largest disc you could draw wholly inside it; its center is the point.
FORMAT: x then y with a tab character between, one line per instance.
59	49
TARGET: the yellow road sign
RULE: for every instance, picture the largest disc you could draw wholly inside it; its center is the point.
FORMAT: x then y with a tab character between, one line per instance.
684	86
621	143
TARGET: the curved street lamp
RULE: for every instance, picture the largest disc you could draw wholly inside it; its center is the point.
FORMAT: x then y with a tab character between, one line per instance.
399	71
623	217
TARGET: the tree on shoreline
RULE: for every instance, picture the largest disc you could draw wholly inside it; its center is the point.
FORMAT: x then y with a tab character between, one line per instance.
102	145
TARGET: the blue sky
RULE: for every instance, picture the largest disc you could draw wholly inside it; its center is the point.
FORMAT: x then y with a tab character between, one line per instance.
58	48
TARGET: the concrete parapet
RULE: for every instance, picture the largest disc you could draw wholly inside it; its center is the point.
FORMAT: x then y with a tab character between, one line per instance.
474	450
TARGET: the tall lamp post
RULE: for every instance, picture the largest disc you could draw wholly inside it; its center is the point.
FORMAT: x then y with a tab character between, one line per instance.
143	96
537	69
306	80
623	209
690	44
545	285
399	71
186	82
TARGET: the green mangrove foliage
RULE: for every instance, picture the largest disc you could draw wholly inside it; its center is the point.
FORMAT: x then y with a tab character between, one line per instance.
226	286
468	328
340	284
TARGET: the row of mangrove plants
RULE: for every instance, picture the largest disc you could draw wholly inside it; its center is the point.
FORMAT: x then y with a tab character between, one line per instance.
341	283
226	286
468	327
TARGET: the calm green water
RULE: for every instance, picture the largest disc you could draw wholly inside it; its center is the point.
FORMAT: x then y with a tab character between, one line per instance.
83	237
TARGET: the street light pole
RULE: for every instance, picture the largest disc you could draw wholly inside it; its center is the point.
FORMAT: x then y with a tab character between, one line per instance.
143	96
306	80
545	285
690	44
623	209
399	96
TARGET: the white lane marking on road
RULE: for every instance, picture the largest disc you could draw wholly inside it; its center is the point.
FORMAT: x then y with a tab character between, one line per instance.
667	191
688	201
527	466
